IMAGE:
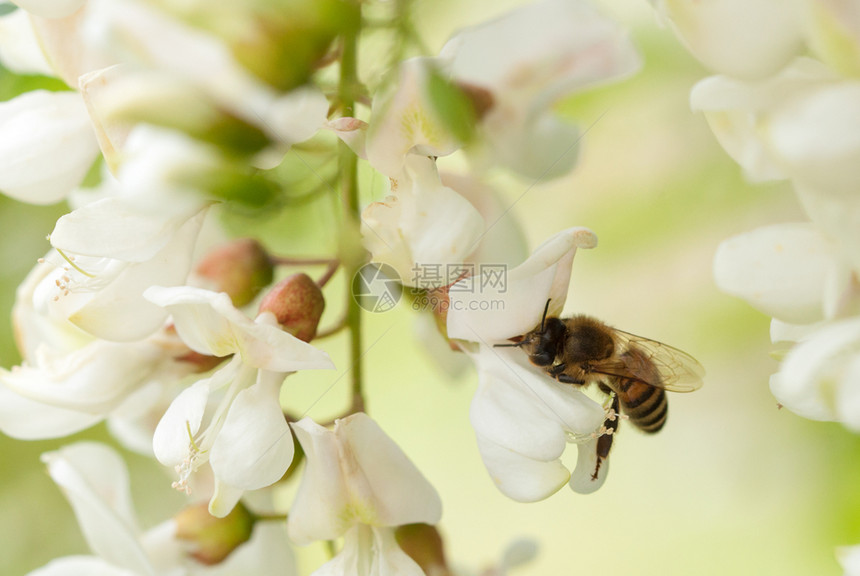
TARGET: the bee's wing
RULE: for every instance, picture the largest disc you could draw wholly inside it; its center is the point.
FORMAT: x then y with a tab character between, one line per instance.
659	364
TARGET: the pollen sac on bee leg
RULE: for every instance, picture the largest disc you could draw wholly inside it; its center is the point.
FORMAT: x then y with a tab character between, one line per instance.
297	303
241	268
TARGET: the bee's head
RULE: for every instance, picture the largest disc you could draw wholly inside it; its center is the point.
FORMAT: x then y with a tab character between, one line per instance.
543	344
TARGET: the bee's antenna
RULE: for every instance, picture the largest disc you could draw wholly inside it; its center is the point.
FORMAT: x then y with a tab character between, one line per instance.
514	345
545	310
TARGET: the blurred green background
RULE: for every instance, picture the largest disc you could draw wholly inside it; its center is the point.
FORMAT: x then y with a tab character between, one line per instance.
732	485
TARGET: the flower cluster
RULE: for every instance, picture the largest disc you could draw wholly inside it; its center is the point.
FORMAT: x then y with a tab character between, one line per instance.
785	115
785	105
160	119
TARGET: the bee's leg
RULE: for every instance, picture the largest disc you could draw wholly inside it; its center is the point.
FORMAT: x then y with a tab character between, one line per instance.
610	426
557	372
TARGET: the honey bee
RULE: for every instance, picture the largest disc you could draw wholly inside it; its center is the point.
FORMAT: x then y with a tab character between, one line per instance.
634	371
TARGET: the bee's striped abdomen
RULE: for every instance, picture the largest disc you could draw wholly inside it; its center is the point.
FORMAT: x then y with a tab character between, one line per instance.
644	405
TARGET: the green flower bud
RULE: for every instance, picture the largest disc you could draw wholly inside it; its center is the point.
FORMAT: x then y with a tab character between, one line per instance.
298	303
213	539
241	269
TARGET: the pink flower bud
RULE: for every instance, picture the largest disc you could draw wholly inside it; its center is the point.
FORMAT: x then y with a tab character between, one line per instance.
241	268
298	303
213	539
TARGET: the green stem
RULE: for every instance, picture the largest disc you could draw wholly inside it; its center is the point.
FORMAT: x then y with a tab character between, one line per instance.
348	167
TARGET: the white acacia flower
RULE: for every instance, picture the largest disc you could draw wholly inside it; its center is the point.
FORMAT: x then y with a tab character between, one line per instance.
95	481
742	38
150	39
360	485
819	378
792	272
516	67
738	112
527	60
70	380
19	47
800	124
245	439
421	223
403	122
113	249
47	145
523	419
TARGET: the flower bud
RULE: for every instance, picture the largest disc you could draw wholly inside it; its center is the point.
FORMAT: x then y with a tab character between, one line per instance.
423	543
213	539
298	303
241	269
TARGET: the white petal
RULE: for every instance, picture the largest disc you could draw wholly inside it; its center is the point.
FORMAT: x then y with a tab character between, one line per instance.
180	423
370	552
849	559
397	491
521	409
26	419
46	146
737	112
785	332
119	312
112	228
552	47
425	223
208	323
80	566
809	375
99	89
63	41
779	269
582	479
95	481
322	494
519	477
519	552
356	474
848	395
816	138
528	59
514	306
267	553
541	147
19	47
296	116
503	241
404	122
254	447
203	318
94	379
838	219
353	132
165	551
51	8
224	498
741	38
148	36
